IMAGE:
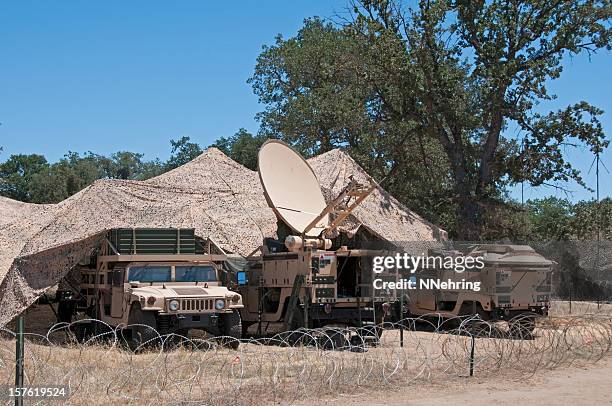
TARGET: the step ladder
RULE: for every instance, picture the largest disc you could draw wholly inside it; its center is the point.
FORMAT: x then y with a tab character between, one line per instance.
294	299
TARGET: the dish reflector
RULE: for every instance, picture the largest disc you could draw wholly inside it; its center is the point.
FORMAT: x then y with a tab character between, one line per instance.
291	187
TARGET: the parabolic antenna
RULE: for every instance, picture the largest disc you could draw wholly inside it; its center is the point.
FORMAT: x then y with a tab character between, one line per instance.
291	187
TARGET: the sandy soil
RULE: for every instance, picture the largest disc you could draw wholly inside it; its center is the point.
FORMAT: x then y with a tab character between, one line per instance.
576	386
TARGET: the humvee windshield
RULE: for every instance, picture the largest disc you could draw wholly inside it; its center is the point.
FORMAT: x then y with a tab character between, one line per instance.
182	273
150	273
196	273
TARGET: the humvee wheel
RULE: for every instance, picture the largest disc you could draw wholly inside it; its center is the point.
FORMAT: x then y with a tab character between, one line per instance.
294	335
82	331
245	328
143	326
231	326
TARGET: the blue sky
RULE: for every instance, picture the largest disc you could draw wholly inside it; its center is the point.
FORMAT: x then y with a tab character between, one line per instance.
109	76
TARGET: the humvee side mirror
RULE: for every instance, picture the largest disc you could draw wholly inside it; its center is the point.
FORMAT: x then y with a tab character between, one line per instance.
242	278
118	276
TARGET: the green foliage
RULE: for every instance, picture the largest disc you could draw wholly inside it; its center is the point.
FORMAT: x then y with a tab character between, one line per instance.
591	217
129	165
550	218
183	151
16	174
242	147
30	178
428	91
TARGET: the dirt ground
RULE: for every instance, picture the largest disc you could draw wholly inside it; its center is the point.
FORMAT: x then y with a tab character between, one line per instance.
591	385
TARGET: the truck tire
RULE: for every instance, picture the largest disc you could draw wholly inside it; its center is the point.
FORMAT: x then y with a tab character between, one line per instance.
334	339
522	326
245	328
231	328
82	331
65	309
294	335
478	324
143	326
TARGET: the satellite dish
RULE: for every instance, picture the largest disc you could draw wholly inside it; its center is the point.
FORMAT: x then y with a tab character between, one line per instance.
291	187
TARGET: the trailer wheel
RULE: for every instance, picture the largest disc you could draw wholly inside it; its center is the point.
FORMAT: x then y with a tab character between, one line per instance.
231	327
143	326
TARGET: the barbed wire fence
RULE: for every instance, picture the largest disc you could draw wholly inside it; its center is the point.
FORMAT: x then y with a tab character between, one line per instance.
302	364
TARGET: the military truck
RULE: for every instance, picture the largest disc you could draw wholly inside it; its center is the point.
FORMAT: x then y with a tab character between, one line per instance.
514	281
310	288
299	280
155	282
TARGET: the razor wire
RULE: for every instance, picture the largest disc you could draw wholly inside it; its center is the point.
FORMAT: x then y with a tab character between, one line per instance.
301	364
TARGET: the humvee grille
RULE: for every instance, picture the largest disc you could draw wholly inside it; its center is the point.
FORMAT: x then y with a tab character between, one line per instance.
197	304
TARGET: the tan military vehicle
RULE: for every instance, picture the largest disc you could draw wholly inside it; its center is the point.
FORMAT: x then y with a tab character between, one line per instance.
299	280
514	284
156	282
309	288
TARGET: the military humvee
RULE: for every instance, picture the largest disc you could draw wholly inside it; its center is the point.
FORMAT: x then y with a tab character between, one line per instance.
156	282
515	285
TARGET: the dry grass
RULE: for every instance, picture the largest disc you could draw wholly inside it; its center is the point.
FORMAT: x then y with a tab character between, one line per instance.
255	373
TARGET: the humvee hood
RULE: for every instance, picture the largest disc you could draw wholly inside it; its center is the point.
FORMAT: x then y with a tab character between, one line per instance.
182	291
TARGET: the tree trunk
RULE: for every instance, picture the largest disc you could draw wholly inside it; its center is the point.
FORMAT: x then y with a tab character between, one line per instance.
469	211
470	219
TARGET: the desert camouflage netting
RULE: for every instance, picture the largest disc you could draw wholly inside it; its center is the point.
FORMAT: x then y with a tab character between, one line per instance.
380	213
219	198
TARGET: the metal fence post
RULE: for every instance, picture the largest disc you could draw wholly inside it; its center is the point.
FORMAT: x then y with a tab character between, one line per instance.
306	309
472	355
401	322
19	360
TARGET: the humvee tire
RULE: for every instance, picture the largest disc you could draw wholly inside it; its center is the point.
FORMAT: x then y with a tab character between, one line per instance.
143	326
293	336
474	320
231	326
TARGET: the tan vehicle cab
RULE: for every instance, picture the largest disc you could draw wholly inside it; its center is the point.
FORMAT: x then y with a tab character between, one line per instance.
156	282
